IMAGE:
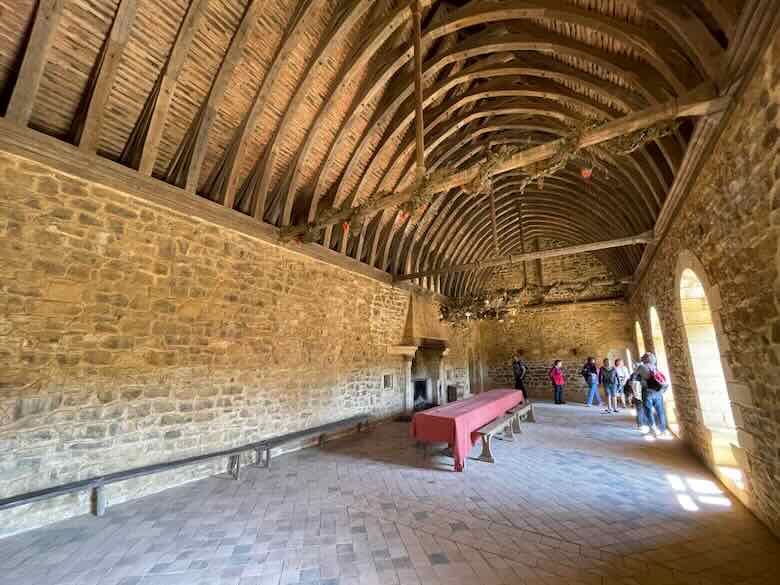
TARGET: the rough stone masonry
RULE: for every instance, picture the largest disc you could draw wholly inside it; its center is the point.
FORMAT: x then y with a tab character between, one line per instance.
130	334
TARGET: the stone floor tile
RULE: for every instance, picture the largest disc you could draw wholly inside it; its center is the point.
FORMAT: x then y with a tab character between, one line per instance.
576	499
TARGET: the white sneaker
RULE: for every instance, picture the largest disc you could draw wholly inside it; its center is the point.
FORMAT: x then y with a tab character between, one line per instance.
666	436
644	429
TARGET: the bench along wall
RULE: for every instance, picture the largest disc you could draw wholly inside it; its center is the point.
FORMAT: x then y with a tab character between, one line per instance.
130	334
570	332
727	231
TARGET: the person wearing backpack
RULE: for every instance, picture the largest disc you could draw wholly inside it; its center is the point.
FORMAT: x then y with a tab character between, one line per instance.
608	376
519	369
591	374
654	384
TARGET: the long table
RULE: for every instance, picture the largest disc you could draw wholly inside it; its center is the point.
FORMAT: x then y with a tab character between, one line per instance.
457	422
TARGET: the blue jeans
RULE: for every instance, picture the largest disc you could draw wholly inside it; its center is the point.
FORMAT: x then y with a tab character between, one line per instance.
594	392
558	392
655	413
641	419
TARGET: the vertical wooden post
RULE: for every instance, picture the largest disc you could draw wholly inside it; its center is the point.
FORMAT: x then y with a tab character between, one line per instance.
522	240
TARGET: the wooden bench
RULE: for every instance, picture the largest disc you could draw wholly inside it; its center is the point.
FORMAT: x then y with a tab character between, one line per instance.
519	413
502	424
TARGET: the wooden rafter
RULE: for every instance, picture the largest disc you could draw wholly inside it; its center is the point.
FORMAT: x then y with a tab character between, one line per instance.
225	177
700	102
644	238
89	120
47	19
186	166
144	143
418	90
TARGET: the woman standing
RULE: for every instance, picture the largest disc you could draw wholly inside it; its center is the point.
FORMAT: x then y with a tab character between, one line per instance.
558	381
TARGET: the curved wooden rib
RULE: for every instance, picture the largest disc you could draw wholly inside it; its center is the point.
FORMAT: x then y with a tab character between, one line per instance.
187	163
142	146
347	21
223	182
488	12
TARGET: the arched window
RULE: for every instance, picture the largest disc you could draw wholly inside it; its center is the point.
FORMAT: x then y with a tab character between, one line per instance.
705	354
640	340
663	365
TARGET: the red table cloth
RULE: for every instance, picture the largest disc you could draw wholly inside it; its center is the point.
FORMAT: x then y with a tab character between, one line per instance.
457	422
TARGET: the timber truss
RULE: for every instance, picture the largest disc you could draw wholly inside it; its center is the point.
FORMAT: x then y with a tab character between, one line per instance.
321	118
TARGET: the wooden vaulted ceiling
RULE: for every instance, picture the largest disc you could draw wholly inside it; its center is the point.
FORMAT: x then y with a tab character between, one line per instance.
282	108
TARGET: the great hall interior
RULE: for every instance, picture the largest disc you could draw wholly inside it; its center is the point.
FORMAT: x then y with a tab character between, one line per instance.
307	292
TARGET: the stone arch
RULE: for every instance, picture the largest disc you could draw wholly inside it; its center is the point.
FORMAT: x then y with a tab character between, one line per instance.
722	422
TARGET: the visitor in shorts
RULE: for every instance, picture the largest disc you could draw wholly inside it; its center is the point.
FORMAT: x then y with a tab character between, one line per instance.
623	376
558	381
608	377
591	374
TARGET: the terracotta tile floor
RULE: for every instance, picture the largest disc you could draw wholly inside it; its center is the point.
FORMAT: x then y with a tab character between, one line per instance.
579	498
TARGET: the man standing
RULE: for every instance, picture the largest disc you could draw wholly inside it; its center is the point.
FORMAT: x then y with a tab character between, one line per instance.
519	369
653	387
591	374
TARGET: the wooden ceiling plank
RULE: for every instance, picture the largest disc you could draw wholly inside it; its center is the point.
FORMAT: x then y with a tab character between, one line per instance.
335	39
230	166
89	121
217	93
690	32
148	141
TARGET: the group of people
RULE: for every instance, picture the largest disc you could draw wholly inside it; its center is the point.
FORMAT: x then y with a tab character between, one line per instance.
643	388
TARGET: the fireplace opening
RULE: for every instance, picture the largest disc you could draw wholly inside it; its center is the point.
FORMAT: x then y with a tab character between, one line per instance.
420	395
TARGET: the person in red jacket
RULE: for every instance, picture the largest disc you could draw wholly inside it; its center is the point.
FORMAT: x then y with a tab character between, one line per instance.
556	377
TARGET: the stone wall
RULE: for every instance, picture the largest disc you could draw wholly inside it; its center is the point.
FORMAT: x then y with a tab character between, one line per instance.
130	334
570	332
727	231
561	269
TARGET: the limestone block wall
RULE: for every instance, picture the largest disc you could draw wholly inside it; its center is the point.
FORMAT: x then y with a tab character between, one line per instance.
130	334
570	332
557	269
727	232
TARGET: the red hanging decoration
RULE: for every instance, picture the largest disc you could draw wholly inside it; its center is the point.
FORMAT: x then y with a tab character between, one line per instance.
345	227
586	172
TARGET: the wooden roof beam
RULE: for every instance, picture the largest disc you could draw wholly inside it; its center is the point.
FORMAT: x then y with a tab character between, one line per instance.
700	102
47	19
225	176
144	143
89	119
528	256
418	91
188	162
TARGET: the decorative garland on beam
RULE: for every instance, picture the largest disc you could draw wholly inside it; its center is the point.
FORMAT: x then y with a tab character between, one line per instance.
423	196
501	303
